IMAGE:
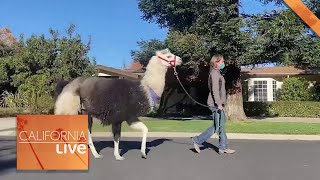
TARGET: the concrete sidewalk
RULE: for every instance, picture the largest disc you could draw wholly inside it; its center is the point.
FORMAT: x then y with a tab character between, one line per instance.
260	119
286	119
237	136
7	123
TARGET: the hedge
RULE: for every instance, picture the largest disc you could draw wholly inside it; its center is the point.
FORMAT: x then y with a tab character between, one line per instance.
283	108
13	112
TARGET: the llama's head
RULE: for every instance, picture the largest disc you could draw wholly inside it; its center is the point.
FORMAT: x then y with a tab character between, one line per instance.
168	59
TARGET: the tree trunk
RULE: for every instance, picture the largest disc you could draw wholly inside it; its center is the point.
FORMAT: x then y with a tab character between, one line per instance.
234	106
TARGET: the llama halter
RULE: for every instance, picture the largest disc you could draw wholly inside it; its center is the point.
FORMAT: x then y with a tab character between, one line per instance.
171	62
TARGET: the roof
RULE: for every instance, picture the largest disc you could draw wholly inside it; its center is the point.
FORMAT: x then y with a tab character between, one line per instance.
142	70
116	72
135	67
282	70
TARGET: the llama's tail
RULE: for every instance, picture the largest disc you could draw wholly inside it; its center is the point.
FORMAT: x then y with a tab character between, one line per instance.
68	97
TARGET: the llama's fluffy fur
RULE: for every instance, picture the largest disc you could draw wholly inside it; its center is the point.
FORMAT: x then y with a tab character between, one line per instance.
113	101
154	76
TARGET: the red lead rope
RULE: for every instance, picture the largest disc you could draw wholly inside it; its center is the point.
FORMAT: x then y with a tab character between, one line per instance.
172	62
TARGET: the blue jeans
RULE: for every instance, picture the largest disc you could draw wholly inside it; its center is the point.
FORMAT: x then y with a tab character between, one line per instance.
218	126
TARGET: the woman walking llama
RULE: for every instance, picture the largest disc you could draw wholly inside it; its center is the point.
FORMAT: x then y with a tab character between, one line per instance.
216	102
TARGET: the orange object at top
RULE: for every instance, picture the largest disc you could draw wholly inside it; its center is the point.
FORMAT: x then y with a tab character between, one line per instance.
305	14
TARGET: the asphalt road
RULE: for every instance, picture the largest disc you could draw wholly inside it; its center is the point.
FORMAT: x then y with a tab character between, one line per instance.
174	159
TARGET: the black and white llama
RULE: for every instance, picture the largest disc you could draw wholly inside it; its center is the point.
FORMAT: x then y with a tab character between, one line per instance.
114	101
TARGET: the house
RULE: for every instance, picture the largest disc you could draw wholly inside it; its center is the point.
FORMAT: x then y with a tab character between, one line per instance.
264	84
109	72
259	84
136	68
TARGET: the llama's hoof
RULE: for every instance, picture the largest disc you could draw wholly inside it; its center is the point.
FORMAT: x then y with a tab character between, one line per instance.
120	158
143	155
98	156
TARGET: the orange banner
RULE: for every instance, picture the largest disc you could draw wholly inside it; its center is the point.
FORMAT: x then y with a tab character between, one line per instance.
305	14
52	142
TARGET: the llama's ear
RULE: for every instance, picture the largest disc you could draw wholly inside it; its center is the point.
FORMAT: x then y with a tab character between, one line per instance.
162	52
165	51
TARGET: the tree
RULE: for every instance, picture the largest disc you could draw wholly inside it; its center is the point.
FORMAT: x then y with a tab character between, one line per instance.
8	47
220	29
58	57
147	49
39	62
285	41
214	33
292	41
7	39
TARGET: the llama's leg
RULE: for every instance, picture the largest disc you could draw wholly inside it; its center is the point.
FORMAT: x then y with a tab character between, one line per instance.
92	148
116	130
138	125
91	145
90	122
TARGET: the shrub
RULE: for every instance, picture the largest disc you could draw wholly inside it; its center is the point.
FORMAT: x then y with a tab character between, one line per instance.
295	89
18	102
316	91
34	95
14	100
283	108
37	91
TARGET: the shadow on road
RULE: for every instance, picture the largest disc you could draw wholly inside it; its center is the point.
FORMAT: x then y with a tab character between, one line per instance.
126	146
7	165
7	154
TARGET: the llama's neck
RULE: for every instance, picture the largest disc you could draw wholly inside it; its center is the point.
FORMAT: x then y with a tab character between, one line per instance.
154	78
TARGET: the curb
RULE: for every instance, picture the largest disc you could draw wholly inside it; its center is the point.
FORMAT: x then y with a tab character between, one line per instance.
237	136
8	133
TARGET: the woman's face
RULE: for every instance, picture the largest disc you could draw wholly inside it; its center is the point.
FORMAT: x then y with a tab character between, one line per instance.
220	64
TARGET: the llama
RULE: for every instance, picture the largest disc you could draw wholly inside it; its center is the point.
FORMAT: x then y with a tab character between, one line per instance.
113	101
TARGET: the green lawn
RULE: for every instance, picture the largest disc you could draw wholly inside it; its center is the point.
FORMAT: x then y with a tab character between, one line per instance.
232	127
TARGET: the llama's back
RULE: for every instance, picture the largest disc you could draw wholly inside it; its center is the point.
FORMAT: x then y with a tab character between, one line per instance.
113	100
68	99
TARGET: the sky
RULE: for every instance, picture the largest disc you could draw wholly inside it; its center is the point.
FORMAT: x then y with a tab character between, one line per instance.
114	25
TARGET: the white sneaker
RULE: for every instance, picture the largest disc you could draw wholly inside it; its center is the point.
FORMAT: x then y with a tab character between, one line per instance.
227	151
196	145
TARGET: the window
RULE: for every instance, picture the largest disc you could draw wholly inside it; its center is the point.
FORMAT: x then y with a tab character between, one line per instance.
274	90
260	90
263	89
